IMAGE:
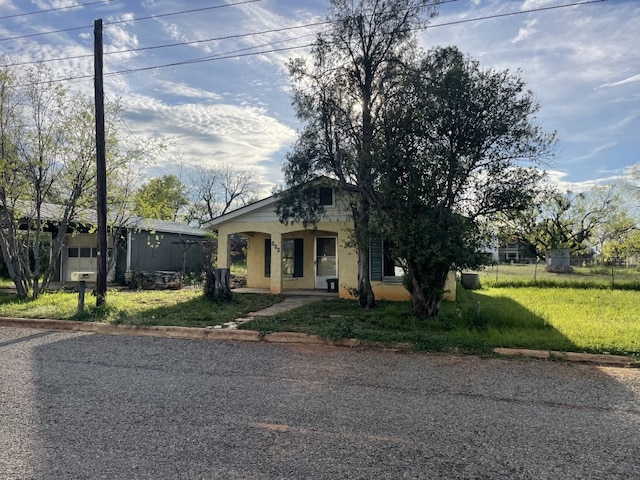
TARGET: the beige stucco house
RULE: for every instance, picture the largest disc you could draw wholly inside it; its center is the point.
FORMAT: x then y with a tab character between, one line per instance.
290	257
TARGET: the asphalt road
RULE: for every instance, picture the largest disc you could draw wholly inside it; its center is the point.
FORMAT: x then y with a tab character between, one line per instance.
86	406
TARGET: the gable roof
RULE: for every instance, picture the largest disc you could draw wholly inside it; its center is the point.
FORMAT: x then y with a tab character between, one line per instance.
257	205
239	212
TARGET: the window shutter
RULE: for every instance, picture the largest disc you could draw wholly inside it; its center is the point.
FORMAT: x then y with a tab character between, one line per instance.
267	257
375	260
298	260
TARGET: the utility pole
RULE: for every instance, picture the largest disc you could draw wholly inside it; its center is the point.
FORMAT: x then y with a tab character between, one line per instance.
101	167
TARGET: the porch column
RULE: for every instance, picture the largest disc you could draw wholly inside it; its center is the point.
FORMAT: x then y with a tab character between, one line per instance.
223	250
129	235
276	263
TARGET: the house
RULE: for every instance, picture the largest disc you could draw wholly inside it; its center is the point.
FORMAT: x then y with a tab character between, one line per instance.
290	257
144	245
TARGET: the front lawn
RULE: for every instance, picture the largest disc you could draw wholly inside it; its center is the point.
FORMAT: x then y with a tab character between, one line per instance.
187	308
596	320
581	320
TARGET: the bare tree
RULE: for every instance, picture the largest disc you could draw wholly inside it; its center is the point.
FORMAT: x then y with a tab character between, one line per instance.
48	158
217	190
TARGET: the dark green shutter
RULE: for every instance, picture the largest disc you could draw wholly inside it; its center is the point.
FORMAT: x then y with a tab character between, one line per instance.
298	259
375	260
267	257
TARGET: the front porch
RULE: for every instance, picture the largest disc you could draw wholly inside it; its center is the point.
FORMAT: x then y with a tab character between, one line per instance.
293	262
289	293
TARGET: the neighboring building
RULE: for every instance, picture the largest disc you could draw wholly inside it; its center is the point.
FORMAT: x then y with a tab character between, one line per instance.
515	250
511	251
153	245
289	257
146	245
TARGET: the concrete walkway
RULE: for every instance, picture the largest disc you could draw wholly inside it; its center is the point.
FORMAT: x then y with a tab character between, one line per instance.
289	303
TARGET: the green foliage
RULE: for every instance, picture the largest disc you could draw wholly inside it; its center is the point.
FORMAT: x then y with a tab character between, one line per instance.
456	139
161	198
47	172
623	243
578	222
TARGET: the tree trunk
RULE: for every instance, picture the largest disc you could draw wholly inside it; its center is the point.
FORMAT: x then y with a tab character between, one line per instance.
217	284
366	297
12	262
426	286
222	290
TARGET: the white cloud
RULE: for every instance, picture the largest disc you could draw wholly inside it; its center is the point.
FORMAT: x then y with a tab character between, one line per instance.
185	90
526	31
557	178
42	5
532	4
626	81
594	152
199	134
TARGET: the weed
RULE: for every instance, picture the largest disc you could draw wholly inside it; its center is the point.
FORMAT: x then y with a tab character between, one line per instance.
339	330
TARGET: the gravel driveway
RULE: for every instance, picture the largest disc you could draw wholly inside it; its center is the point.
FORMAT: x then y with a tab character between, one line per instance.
76	406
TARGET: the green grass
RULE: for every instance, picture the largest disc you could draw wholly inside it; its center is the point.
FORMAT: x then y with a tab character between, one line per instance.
592	320
506	275
582	320
548	316
187	308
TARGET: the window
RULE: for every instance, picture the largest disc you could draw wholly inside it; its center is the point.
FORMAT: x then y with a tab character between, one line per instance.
292	257
73	252
382	264
288	257
85	252
326	196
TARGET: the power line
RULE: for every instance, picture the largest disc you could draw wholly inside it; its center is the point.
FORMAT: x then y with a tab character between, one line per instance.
276	30
54	9
48	32
151	17
222	56
178	44
232	55
501	15
205	59
72	29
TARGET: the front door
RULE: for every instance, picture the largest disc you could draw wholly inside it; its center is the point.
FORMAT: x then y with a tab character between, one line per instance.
326	260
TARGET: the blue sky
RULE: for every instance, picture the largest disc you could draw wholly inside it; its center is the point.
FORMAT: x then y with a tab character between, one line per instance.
581	62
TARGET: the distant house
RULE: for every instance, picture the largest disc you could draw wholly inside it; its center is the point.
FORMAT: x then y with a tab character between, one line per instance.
145	245
290	257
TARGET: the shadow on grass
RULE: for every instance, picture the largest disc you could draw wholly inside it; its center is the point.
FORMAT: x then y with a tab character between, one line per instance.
193	312
474	323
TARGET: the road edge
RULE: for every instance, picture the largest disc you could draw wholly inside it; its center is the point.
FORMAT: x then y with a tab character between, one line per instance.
199	333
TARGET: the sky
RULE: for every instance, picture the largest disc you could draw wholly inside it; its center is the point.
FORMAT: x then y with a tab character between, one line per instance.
221	95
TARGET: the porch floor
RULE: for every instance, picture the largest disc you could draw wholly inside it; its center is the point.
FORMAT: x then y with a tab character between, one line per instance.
289	293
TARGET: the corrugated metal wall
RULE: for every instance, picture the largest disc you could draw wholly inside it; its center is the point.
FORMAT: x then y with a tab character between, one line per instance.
162	251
